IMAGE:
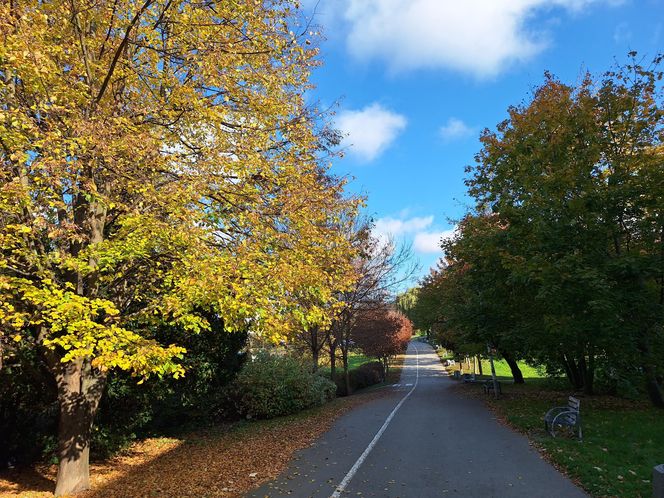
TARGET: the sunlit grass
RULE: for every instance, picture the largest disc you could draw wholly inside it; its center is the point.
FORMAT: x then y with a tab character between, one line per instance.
502	368
355	359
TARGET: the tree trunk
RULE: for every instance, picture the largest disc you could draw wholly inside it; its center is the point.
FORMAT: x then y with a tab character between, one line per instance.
314	356
74	430
479	365
653	386
587	371
344	357
572	371
80	389
315	347
514	367
333	359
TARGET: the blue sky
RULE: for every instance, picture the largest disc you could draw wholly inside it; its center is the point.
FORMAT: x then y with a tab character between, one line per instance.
417	80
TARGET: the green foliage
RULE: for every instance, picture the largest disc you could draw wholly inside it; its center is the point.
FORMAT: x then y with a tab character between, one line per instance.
28	409
561	261
129	410
365	375
273	385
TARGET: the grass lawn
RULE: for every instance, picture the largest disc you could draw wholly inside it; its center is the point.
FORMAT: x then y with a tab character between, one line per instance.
354	361
622	440
503	371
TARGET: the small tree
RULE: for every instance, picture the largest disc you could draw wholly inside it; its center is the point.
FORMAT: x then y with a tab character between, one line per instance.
380	267
382	333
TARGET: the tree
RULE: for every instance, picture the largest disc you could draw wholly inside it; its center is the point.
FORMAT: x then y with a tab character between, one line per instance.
157	159
379	268
382	333
575	177
560	262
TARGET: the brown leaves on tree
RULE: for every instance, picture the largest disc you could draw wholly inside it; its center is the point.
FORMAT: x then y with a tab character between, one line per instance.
382	332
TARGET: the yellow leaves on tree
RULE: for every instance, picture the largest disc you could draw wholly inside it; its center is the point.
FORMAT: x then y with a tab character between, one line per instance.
159	155
157	158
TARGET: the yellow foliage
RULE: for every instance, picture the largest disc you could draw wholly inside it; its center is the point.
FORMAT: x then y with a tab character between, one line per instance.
158	159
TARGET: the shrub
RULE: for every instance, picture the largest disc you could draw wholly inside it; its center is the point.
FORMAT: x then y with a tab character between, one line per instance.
28	409
363	376
271	385
367	375
128	411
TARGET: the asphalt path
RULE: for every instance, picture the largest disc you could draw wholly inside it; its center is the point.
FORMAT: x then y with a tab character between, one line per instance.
422	439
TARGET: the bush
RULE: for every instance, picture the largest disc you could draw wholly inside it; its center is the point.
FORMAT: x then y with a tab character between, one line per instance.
28	409
363	376
270	386
128	411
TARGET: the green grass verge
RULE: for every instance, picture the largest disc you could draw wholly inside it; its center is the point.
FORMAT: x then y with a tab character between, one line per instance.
503	369
622	440
354	361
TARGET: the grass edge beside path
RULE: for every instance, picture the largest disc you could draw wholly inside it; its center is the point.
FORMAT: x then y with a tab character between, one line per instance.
622	441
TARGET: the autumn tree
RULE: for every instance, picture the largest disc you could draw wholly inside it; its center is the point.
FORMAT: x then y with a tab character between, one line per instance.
380	267
575	176
382	333
157	159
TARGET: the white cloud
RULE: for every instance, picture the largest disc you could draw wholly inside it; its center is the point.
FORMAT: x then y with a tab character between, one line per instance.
622	34
370	131
455	129
386	227
480	37
425	239
429	242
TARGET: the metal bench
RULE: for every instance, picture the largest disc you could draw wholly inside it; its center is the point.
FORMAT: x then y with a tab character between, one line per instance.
488	386
565	416
468	377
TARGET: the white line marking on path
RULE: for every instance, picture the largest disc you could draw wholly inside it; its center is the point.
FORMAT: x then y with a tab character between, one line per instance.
353	470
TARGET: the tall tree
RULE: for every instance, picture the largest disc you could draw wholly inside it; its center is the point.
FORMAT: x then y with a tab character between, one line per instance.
157	158
566	173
